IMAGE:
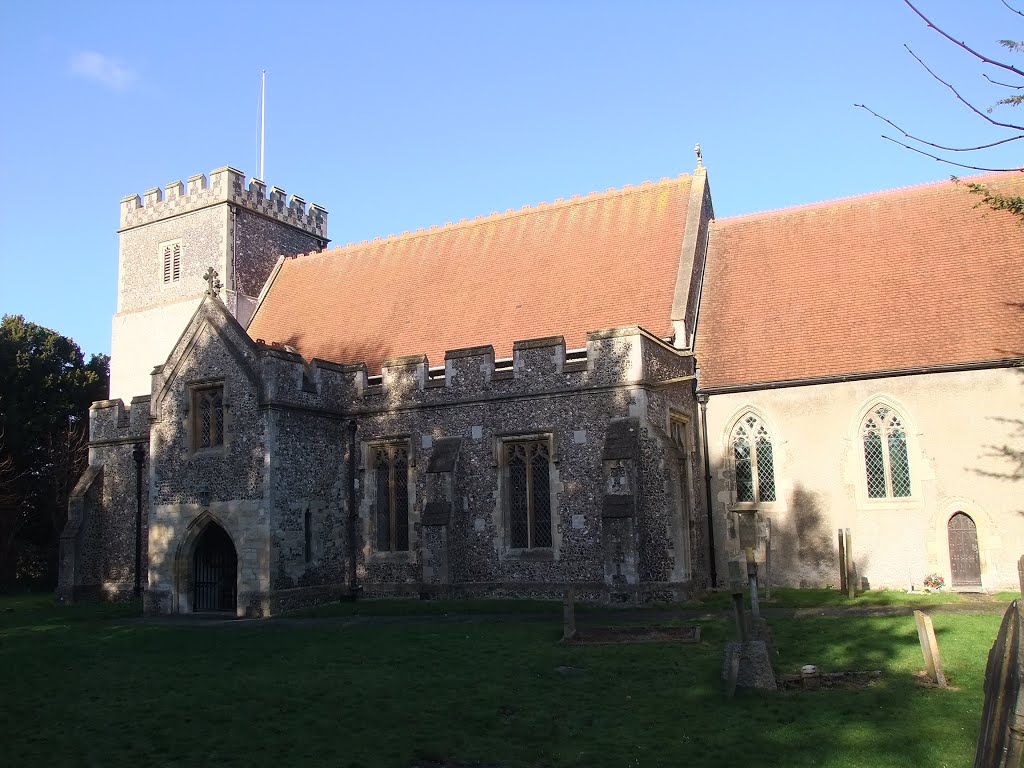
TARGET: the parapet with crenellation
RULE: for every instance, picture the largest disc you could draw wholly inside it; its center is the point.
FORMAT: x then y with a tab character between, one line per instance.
225	185
110	421
622	356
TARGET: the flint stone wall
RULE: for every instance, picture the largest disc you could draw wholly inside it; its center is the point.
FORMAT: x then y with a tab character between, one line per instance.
284	462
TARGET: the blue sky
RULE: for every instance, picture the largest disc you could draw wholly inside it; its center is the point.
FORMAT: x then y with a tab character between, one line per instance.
399	115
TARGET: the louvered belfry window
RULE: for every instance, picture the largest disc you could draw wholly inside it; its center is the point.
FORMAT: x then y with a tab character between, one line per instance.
208	407
171	261
529	493
391	513
886	463
754	460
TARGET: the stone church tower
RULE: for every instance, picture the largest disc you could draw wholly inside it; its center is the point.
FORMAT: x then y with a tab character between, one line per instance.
167	241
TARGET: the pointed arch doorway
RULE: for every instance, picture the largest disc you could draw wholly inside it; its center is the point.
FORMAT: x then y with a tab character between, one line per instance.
214	571
964	555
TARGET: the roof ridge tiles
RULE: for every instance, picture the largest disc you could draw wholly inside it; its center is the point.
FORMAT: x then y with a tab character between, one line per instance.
860	197
511	213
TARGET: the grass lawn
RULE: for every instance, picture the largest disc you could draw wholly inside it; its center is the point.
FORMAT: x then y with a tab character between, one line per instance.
84	687
819	598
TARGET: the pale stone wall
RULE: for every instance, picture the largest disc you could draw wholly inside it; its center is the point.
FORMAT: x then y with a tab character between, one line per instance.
957	423
142	340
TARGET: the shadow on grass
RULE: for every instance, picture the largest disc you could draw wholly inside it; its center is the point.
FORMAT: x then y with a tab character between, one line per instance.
386	695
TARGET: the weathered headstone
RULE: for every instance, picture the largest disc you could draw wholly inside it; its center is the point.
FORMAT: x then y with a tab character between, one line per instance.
569	615
736	588
746	662
929	648
768	560
842	562
1020	573
755	666
1001	742
734	675
851	577
755	606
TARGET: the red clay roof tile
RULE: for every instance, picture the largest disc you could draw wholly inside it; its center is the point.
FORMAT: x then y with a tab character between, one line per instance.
896	280
564	268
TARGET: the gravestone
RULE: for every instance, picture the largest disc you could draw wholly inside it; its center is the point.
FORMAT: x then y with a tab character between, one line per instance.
851	576
755	666
930	648
569	615
1001	742
842	562
746	662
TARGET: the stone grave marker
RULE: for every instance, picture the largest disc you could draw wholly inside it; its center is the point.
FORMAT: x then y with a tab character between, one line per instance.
569	615
851	578
842	562
930	648
746	661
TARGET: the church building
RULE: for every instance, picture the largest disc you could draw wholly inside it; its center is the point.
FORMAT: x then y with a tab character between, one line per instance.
616	392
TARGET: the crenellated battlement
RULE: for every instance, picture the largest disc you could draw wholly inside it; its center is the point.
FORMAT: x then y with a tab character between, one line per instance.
111	421
622	356
225	185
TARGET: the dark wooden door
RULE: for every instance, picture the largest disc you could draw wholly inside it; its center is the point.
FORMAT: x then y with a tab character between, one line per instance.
216	566
964	558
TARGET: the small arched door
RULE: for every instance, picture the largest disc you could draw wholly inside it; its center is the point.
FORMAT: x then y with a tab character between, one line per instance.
215	570
964	557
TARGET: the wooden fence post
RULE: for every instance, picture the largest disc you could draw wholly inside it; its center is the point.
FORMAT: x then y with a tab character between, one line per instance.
1001	741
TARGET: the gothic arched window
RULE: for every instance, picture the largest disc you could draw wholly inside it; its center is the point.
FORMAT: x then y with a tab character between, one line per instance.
390	464
753	459
886	466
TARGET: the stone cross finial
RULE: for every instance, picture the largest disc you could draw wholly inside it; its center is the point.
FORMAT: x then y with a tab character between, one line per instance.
211	280
696	148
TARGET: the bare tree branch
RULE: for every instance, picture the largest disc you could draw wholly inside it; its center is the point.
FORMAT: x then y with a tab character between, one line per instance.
1005	85
970	106
944	160
964	45
1019	13
932	144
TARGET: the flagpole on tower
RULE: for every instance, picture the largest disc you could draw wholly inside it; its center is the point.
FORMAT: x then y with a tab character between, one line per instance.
263	119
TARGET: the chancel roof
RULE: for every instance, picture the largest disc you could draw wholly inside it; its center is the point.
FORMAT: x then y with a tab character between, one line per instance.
605	260
897	280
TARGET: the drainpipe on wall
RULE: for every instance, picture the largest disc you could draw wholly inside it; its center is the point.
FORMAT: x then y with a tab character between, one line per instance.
353	587
139	454
703	400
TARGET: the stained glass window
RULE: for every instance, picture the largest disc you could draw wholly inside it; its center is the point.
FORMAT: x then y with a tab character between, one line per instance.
529	494
753	460
886	464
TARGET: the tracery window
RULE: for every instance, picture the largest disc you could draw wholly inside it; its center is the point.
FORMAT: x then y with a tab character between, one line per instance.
528	494
886	466
391	513
171	253
208	410
753	460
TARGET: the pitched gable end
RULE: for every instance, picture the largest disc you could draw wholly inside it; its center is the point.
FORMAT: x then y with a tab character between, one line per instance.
211	315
